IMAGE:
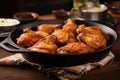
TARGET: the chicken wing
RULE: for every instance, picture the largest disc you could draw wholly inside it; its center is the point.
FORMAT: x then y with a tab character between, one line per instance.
91	30
41	33
46	45
93	40
28	38
70	25
49	28
74	47
93	36
64	37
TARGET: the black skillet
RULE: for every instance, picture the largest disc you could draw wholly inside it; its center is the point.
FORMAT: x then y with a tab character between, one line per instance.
57	59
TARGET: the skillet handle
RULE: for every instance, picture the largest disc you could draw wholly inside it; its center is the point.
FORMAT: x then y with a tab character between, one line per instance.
9	46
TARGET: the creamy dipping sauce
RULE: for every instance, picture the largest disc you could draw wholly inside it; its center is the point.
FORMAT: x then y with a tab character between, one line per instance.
96	9
8	22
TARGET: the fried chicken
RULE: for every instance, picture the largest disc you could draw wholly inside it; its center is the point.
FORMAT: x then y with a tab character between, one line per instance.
48	28
46	45
27	38
91	30
93	40
91	35
70	25
63	36
41	33
62	39
74	48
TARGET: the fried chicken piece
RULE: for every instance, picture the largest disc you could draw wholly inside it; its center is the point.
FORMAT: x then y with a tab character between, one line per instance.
93	40
46	45
27	38
64	37
75	47
26	30
70	25
49	28
91	30
41	33
93	36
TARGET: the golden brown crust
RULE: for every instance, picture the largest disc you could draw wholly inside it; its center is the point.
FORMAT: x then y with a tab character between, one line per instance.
74	47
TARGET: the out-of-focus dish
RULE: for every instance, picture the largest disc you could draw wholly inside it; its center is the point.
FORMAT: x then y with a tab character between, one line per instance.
94	12
95	9
60	14
26	16
114	6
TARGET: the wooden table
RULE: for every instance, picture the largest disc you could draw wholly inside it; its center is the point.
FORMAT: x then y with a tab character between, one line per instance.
109	72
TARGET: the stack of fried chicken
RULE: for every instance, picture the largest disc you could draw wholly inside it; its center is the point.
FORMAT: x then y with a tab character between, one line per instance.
67	38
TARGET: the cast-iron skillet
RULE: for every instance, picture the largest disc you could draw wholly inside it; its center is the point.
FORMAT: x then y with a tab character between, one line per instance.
57	59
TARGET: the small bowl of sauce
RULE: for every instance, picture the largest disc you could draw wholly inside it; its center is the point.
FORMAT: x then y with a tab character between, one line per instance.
25	17
7	25
94	12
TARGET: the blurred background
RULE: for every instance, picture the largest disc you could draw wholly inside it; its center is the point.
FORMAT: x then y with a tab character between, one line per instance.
9	7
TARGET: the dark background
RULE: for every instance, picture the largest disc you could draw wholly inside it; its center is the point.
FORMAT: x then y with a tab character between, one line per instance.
9	7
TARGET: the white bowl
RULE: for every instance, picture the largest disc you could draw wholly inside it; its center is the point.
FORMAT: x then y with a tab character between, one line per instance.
8	22
7	25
